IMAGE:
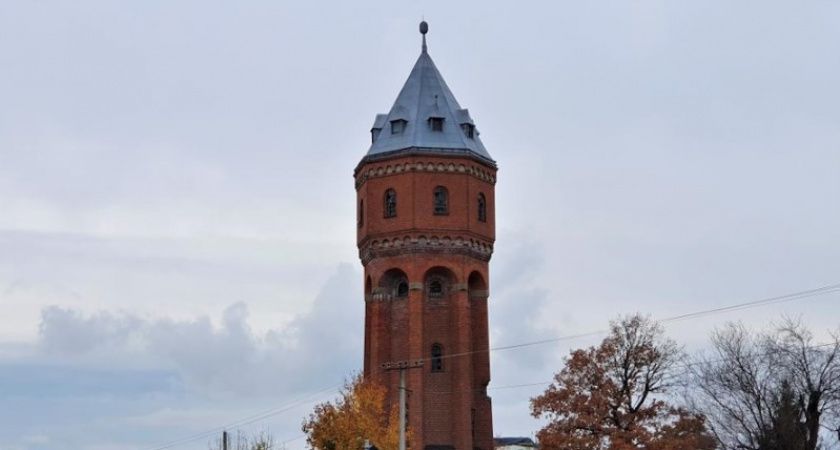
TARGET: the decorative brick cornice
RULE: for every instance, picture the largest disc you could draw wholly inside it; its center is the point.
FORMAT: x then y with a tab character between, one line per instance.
417	243
384	297
386	168
381	294
419	152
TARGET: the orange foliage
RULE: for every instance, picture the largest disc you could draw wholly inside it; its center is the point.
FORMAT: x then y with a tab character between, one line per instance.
358	414
611	397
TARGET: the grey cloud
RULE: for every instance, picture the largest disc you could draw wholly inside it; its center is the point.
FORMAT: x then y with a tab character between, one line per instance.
104	376
317	347
519	297
57	380
654	156
69	332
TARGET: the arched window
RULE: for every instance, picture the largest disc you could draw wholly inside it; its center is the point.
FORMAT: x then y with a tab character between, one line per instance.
482	208
441	201
390	203
394	284
435	289
437	358
361	220
402	289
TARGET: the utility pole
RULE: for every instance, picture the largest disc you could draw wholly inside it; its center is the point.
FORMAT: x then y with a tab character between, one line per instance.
402	366
224	440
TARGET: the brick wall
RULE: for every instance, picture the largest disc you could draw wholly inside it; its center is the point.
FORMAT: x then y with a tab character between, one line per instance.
447	408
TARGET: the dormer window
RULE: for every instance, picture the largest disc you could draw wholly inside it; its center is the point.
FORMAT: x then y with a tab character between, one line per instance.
436	123
378	124
469	129
398	126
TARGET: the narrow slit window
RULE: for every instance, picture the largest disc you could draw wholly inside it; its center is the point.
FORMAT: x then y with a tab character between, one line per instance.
441	199
437	358
482	208
390	203
361	220
435	289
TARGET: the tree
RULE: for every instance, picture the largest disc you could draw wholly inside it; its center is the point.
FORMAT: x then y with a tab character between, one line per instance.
262	440
786	430
612	397
771	390
358	414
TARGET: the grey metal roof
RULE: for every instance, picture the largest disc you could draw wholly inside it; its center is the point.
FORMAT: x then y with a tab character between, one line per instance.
426	95
521	441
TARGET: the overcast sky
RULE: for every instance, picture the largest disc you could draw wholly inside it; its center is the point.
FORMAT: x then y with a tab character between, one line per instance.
177	227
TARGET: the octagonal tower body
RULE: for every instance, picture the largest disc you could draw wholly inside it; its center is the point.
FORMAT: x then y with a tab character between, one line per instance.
426	228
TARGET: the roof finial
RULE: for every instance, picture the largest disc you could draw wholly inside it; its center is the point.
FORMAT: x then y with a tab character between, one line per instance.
424	28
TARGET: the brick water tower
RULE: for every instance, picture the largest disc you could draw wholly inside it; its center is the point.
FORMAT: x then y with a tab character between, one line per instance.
426	229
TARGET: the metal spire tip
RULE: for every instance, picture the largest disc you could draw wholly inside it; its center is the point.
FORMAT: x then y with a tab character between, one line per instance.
424	28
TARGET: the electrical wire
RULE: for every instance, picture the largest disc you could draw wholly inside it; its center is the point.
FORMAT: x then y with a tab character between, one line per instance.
248	420
745	305
675	366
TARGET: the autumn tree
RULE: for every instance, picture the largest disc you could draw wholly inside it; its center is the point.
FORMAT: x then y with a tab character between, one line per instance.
768	390
358	414
613	396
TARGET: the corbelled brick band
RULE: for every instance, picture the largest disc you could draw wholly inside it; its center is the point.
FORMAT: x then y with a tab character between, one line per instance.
425	232
447	408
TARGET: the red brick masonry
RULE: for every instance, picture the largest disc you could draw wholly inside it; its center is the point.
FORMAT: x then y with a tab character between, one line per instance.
449	408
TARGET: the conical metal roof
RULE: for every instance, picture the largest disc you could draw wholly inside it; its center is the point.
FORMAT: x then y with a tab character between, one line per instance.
426	118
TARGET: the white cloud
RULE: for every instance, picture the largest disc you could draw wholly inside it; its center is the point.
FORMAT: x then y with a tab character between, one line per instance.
175	188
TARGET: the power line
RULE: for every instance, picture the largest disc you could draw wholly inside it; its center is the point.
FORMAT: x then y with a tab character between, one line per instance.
675	366
768	301
745	305
247	420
